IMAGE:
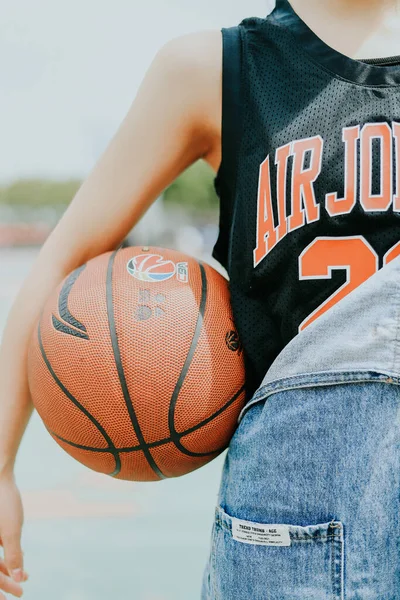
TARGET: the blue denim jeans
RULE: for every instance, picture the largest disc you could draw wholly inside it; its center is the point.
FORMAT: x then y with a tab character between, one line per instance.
309	506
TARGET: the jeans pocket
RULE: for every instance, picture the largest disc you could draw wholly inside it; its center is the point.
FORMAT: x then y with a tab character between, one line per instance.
275	561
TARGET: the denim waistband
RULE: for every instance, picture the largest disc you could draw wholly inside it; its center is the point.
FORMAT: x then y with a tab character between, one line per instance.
314	379
357	339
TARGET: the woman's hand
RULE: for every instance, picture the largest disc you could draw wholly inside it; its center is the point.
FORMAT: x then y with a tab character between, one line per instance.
11	520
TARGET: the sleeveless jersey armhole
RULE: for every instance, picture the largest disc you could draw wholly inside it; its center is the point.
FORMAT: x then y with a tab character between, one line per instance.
225	180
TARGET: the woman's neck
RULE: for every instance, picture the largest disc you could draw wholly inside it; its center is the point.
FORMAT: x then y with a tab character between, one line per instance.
357	28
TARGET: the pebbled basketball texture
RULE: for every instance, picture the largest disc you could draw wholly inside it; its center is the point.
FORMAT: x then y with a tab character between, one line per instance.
135	365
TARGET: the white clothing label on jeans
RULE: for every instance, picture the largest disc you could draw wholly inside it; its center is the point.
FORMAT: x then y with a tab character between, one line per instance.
260	533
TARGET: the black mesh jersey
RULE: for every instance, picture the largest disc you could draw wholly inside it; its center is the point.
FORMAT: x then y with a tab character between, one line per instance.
309	182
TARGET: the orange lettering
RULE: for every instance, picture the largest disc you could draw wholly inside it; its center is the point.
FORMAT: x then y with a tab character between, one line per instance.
281	160
266	232
303	180
342	206
369	201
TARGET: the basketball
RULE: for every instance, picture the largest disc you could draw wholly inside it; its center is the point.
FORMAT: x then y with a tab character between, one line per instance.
135	365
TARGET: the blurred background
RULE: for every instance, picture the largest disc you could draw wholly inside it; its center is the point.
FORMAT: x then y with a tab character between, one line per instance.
69	72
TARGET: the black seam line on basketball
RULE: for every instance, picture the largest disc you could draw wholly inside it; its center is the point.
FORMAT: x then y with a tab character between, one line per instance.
121	374
121	450
63	299
214	415
157	442
101	430
60	326
174	398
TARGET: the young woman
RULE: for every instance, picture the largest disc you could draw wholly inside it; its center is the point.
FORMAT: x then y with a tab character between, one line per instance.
303	130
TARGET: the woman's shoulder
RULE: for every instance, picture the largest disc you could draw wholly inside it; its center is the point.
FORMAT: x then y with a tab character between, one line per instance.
196	49
193	62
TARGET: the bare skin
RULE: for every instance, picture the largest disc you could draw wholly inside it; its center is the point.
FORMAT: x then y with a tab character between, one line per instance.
174	120
359	28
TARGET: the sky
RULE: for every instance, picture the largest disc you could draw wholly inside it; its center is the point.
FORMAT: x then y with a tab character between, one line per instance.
70	70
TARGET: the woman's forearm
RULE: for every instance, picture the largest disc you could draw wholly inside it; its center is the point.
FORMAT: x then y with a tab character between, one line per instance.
15	400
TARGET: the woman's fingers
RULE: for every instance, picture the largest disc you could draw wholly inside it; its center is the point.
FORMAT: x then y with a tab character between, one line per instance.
11	521
10	586
13	553
4	571
3	568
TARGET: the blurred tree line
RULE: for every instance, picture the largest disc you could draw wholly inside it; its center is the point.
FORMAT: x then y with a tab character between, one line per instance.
192	190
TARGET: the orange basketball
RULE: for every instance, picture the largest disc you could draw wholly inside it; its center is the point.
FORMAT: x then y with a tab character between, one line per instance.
135	365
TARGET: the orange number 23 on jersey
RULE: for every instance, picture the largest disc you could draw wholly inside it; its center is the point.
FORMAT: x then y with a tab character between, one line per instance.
353	254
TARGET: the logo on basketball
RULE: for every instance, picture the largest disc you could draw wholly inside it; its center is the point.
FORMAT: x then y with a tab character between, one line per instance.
150	267
182	272
232	340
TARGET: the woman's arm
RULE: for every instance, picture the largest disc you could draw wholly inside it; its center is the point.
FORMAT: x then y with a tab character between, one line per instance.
172	122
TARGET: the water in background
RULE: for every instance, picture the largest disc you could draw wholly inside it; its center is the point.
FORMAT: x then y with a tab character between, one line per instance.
90	537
